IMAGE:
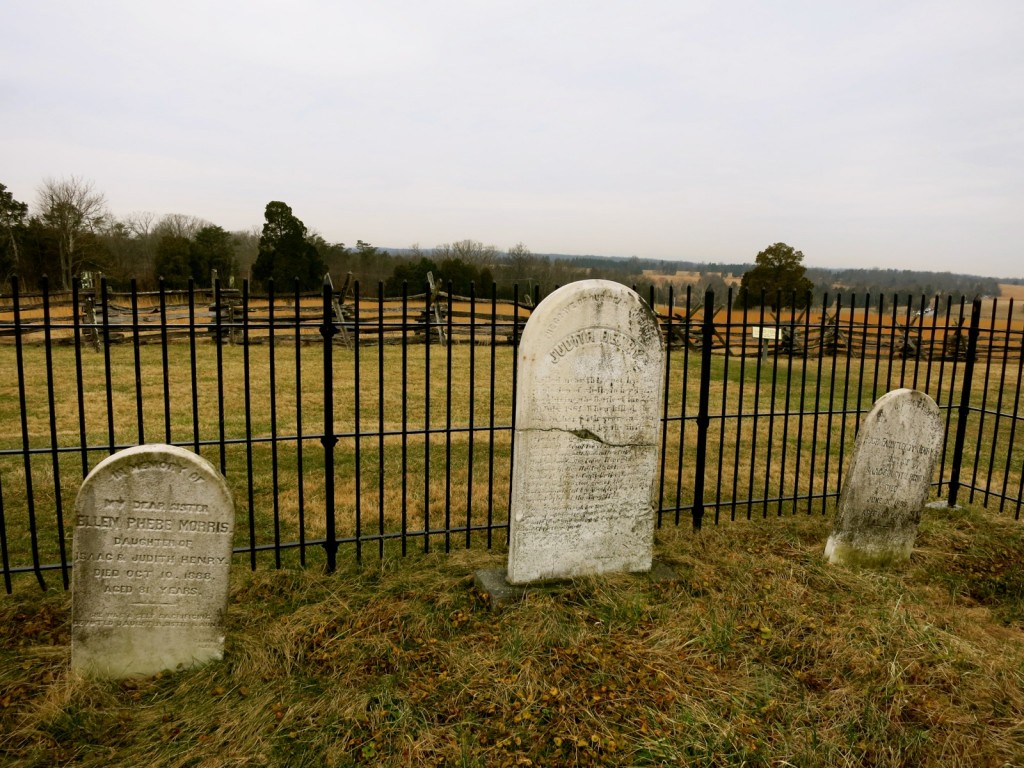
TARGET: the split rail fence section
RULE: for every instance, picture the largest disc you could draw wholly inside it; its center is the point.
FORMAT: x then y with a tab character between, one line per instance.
352	425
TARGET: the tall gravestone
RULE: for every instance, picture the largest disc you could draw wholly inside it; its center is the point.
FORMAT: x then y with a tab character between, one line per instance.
152	548
887	482
588	410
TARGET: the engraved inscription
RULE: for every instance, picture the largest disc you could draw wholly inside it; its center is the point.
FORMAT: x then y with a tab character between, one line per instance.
152	548
882	497
589	391
136	562
894	464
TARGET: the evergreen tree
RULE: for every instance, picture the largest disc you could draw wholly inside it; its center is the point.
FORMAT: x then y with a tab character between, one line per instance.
212	248
285	253
173	256
413	273
12	226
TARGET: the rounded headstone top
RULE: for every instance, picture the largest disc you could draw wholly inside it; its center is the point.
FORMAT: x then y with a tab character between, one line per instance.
160	457
589	303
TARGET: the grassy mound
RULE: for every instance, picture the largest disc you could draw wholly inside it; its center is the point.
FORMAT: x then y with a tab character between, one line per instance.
760	654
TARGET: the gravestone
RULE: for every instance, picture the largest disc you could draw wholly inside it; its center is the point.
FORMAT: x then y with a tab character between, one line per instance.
588	409
152	548
887	482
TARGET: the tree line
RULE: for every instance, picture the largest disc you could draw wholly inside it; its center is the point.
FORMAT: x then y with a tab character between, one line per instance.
69	230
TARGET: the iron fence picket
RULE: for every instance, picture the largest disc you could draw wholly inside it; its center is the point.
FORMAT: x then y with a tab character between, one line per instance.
105	313
193	367
272	396
52	413
380	419
137	362
300	485
329	439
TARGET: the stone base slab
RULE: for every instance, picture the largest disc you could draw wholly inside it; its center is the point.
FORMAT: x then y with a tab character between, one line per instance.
493	585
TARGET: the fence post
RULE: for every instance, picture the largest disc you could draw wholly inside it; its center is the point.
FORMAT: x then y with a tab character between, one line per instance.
965	403
329	439
26	452
703	419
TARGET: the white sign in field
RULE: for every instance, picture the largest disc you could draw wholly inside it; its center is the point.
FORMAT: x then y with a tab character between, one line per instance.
769	332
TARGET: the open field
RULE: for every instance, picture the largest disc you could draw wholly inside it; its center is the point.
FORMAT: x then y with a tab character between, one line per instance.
424	460
1011	291
875	325
761	654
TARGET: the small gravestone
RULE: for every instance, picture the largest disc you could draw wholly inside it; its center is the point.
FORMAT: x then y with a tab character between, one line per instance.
887	483
152	548
588	410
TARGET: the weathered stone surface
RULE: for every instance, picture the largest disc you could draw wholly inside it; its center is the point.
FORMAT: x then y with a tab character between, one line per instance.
586	442
493	584
887	482
152	549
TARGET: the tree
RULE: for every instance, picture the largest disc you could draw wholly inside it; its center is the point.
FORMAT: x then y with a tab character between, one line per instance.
39	253
173	260
471	251
12	226
336	256
372	264
413	273
779	272
711	281
284	252
122	253
457	272
212	248
179	225
141	228
524	268
71	208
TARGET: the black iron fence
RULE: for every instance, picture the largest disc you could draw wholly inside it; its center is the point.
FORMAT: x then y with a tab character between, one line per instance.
354	425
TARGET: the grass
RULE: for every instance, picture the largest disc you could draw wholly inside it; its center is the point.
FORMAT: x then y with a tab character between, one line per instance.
784	460
761	654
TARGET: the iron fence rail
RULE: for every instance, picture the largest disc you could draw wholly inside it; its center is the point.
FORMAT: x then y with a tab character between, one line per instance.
350	424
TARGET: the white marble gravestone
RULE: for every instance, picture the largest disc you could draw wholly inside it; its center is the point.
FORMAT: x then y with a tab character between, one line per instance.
588	409
887	482
152	548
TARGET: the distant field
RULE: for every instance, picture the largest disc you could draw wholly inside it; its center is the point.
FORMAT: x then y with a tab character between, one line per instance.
1011	291
687	277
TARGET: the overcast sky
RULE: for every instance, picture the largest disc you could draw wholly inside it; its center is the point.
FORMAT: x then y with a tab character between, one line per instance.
866	134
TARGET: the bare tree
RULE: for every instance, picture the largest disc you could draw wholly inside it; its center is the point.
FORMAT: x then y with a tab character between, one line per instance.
179	225
71	207
140	223
469	251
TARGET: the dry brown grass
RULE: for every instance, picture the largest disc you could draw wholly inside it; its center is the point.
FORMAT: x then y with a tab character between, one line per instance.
761	654
1011	291
736	469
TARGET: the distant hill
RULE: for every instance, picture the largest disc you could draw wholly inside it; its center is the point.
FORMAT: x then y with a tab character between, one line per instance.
721	276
